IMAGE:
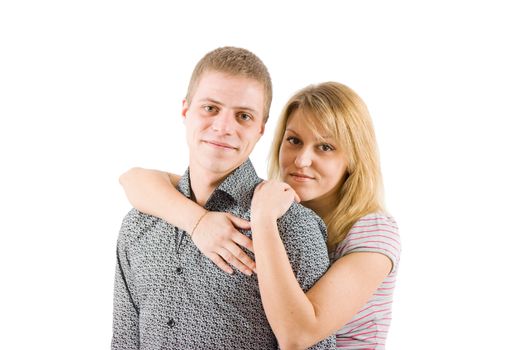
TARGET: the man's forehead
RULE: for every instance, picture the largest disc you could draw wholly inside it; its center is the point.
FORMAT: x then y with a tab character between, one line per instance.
231	91
218	81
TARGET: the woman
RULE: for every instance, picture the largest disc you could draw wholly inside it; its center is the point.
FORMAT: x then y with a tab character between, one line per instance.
325	152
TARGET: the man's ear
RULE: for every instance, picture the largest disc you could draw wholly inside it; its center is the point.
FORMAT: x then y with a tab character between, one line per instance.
262	128
185	107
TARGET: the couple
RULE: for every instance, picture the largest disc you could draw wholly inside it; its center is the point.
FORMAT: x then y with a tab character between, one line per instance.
301	290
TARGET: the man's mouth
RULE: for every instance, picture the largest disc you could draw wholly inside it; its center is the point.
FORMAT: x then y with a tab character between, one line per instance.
220	145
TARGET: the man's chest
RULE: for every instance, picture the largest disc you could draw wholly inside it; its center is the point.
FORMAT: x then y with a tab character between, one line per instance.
166	264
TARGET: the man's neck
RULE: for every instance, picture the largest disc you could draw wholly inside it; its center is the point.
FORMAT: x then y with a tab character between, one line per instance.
203	183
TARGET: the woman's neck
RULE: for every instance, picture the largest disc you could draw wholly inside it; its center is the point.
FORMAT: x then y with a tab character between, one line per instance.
323	206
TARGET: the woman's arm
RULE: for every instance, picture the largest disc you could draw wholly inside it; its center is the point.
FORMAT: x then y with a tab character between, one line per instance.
153	192
215	234
300	319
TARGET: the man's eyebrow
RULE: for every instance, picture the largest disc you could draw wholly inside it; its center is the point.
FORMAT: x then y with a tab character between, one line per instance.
207	99
244	108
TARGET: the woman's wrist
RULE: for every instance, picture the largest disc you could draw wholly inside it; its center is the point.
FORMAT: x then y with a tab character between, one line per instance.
197	223
262	220
195	215
187	216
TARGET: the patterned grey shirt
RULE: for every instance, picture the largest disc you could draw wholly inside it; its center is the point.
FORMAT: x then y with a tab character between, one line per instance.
170	296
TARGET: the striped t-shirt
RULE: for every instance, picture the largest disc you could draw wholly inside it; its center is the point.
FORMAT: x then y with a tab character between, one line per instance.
369	327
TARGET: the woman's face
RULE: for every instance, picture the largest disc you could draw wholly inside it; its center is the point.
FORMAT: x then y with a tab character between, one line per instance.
315	168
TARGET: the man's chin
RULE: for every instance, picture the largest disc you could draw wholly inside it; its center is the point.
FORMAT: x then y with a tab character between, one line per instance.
219	165
217	161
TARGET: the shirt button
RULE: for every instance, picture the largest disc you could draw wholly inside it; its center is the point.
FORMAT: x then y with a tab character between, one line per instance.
178	270
171	323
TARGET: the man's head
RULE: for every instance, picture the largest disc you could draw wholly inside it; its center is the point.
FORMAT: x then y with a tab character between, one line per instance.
225	110
236	62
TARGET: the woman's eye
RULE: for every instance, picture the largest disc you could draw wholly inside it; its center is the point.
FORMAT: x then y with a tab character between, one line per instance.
326	147
293	140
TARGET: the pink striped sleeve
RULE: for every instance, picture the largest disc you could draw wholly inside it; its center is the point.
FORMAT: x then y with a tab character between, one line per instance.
373	233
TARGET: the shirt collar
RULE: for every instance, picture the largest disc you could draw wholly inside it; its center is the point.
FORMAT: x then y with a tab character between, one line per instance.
239	184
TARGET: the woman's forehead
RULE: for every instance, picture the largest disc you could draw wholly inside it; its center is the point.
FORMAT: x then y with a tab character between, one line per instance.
301	119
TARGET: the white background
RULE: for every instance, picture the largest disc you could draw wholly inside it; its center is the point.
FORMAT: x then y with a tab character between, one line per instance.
89	89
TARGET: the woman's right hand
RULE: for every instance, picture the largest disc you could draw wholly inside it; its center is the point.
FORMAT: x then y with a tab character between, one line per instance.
271	199
217	237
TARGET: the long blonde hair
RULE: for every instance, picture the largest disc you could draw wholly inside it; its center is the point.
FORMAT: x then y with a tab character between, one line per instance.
338	109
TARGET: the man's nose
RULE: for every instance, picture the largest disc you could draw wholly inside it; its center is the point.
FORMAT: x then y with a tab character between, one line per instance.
223	122
303	158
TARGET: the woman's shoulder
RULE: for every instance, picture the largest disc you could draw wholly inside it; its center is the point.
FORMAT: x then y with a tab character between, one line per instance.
374	232
375	221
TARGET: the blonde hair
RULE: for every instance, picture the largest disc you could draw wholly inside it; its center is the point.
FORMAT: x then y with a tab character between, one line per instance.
336	108
236	62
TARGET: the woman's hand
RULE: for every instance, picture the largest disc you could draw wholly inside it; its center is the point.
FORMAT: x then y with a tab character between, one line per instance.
272	199
217	237
153	192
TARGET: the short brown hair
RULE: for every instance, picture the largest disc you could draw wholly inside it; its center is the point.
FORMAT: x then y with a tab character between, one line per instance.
237	62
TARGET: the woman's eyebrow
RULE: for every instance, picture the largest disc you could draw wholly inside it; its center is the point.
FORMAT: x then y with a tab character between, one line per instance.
321	137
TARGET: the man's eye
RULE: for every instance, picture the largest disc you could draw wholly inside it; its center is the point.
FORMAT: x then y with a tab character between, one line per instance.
293	140
209	108
326	147
245	116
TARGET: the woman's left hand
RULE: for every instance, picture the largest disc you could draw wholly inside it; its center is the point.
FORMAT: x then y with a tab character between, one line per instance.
271	199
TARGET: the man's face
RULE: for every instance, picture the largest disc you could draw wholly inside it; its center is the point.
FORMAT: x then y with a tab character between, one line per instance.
224	121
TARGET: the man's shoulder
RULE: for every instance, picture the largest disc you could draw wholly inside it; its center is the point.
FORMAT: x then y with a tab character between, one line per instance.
135	224
303	234
302	219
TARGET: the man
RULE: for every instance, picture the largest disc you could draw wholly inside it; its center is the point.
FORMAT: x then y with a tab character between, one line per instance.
167	294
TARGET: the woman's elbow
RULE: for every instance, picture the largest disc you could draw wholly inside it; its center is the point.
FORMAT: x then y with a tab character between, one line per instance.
289	345
130	173
293	342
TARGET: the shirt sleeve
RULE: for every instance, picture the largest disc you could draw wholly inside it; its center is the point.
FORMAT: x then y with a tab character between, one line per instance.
376	233
304	237
125	310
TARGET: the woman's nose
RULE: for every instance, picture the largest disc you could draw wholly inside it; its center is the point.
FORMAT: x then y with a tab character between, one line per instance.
303	159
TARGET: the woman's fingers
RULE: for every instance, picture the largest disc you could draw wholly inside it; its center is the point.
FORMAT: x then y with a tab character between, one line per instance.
238	253
234	256
242	241
239	223
295	195
217	260
218	238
